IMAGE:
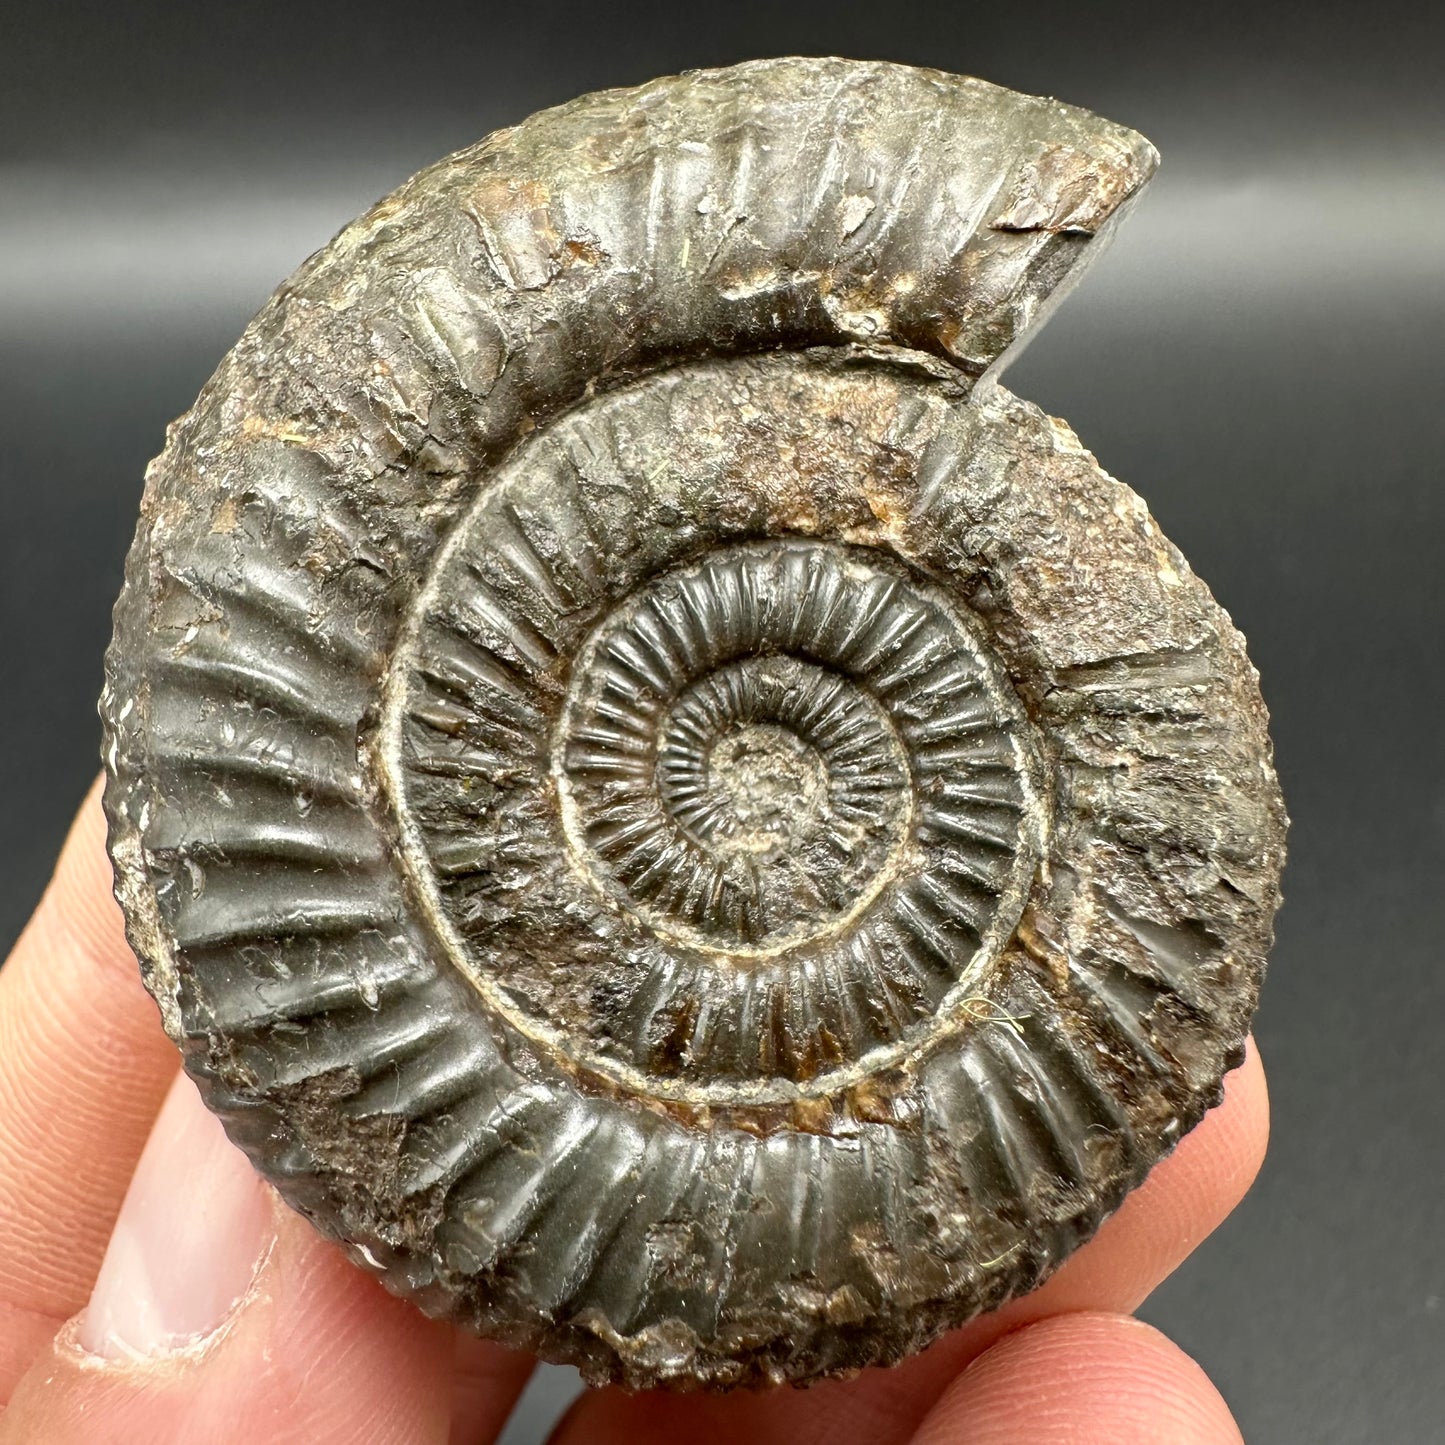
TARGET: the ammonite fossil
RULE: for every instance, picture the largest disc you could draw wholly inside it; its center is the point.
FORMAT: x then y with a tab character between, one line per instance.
664	808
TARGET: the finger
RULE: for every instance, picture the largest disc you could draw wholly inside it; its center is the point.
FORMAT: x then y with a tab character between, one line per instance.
83	1068
1088	1379
486	1380
219	1315
1176	1208
1185	1197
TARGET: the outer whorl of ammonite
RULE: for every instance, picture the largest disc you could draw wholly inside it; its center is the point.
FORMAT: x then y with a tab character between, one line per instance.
667	811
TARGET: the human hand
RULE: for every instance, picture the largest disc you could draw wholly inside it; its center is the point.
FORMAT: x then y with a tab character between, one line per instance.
158	1292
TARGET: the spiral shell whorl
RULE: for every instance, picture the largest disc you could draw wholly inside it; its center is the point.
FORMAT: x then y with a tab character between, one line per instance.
773	766
816	1081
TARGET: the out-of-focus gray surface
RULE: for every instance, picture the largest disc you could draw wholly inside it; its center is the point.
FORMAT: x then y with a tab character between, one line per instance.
1259	355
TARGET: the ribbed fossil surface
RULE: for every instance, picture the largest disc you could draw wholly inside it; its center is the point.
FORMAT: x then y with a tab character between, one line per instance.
688	827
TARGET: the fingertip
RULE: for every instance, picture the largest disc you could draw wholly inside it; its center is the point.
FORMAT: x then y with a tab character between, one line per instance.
1184	1199
314	1350
1252	1085
1216	1162
190	1237
220	1315
79	901
1073	1379
487	1378
1233	1149
1198	1186
84	1065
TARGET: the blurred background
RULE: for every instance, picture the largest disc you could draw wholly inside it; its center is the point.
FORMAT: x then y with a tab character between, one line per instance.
1260	355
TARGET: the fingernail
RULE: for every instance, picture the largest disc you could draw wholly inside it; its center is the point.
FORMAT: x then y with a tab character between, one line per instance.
191	1235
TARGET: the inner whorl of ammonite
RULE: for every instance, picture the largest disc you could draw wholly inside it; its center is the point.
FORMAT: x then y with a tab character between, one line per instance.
728	765
742	827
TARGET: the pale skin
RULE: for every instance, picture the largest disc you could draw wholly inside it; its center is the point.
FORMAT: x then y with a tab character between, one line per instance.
153	1290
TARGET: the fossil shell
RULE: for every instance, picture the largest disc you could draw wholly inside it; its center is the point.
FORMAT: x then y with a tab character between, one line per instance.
689	828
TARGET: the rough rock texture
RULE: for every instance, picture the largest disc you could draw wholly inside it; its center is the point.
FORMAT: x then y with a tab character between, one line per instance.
689	828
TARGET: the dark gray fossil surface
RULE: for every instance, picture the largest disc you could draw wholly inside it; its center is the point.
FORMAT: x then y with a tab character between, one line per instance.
666	810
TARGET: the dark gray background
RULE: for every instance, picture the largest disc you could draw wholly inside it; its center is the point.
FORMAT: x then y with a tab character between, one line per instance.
1259	355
